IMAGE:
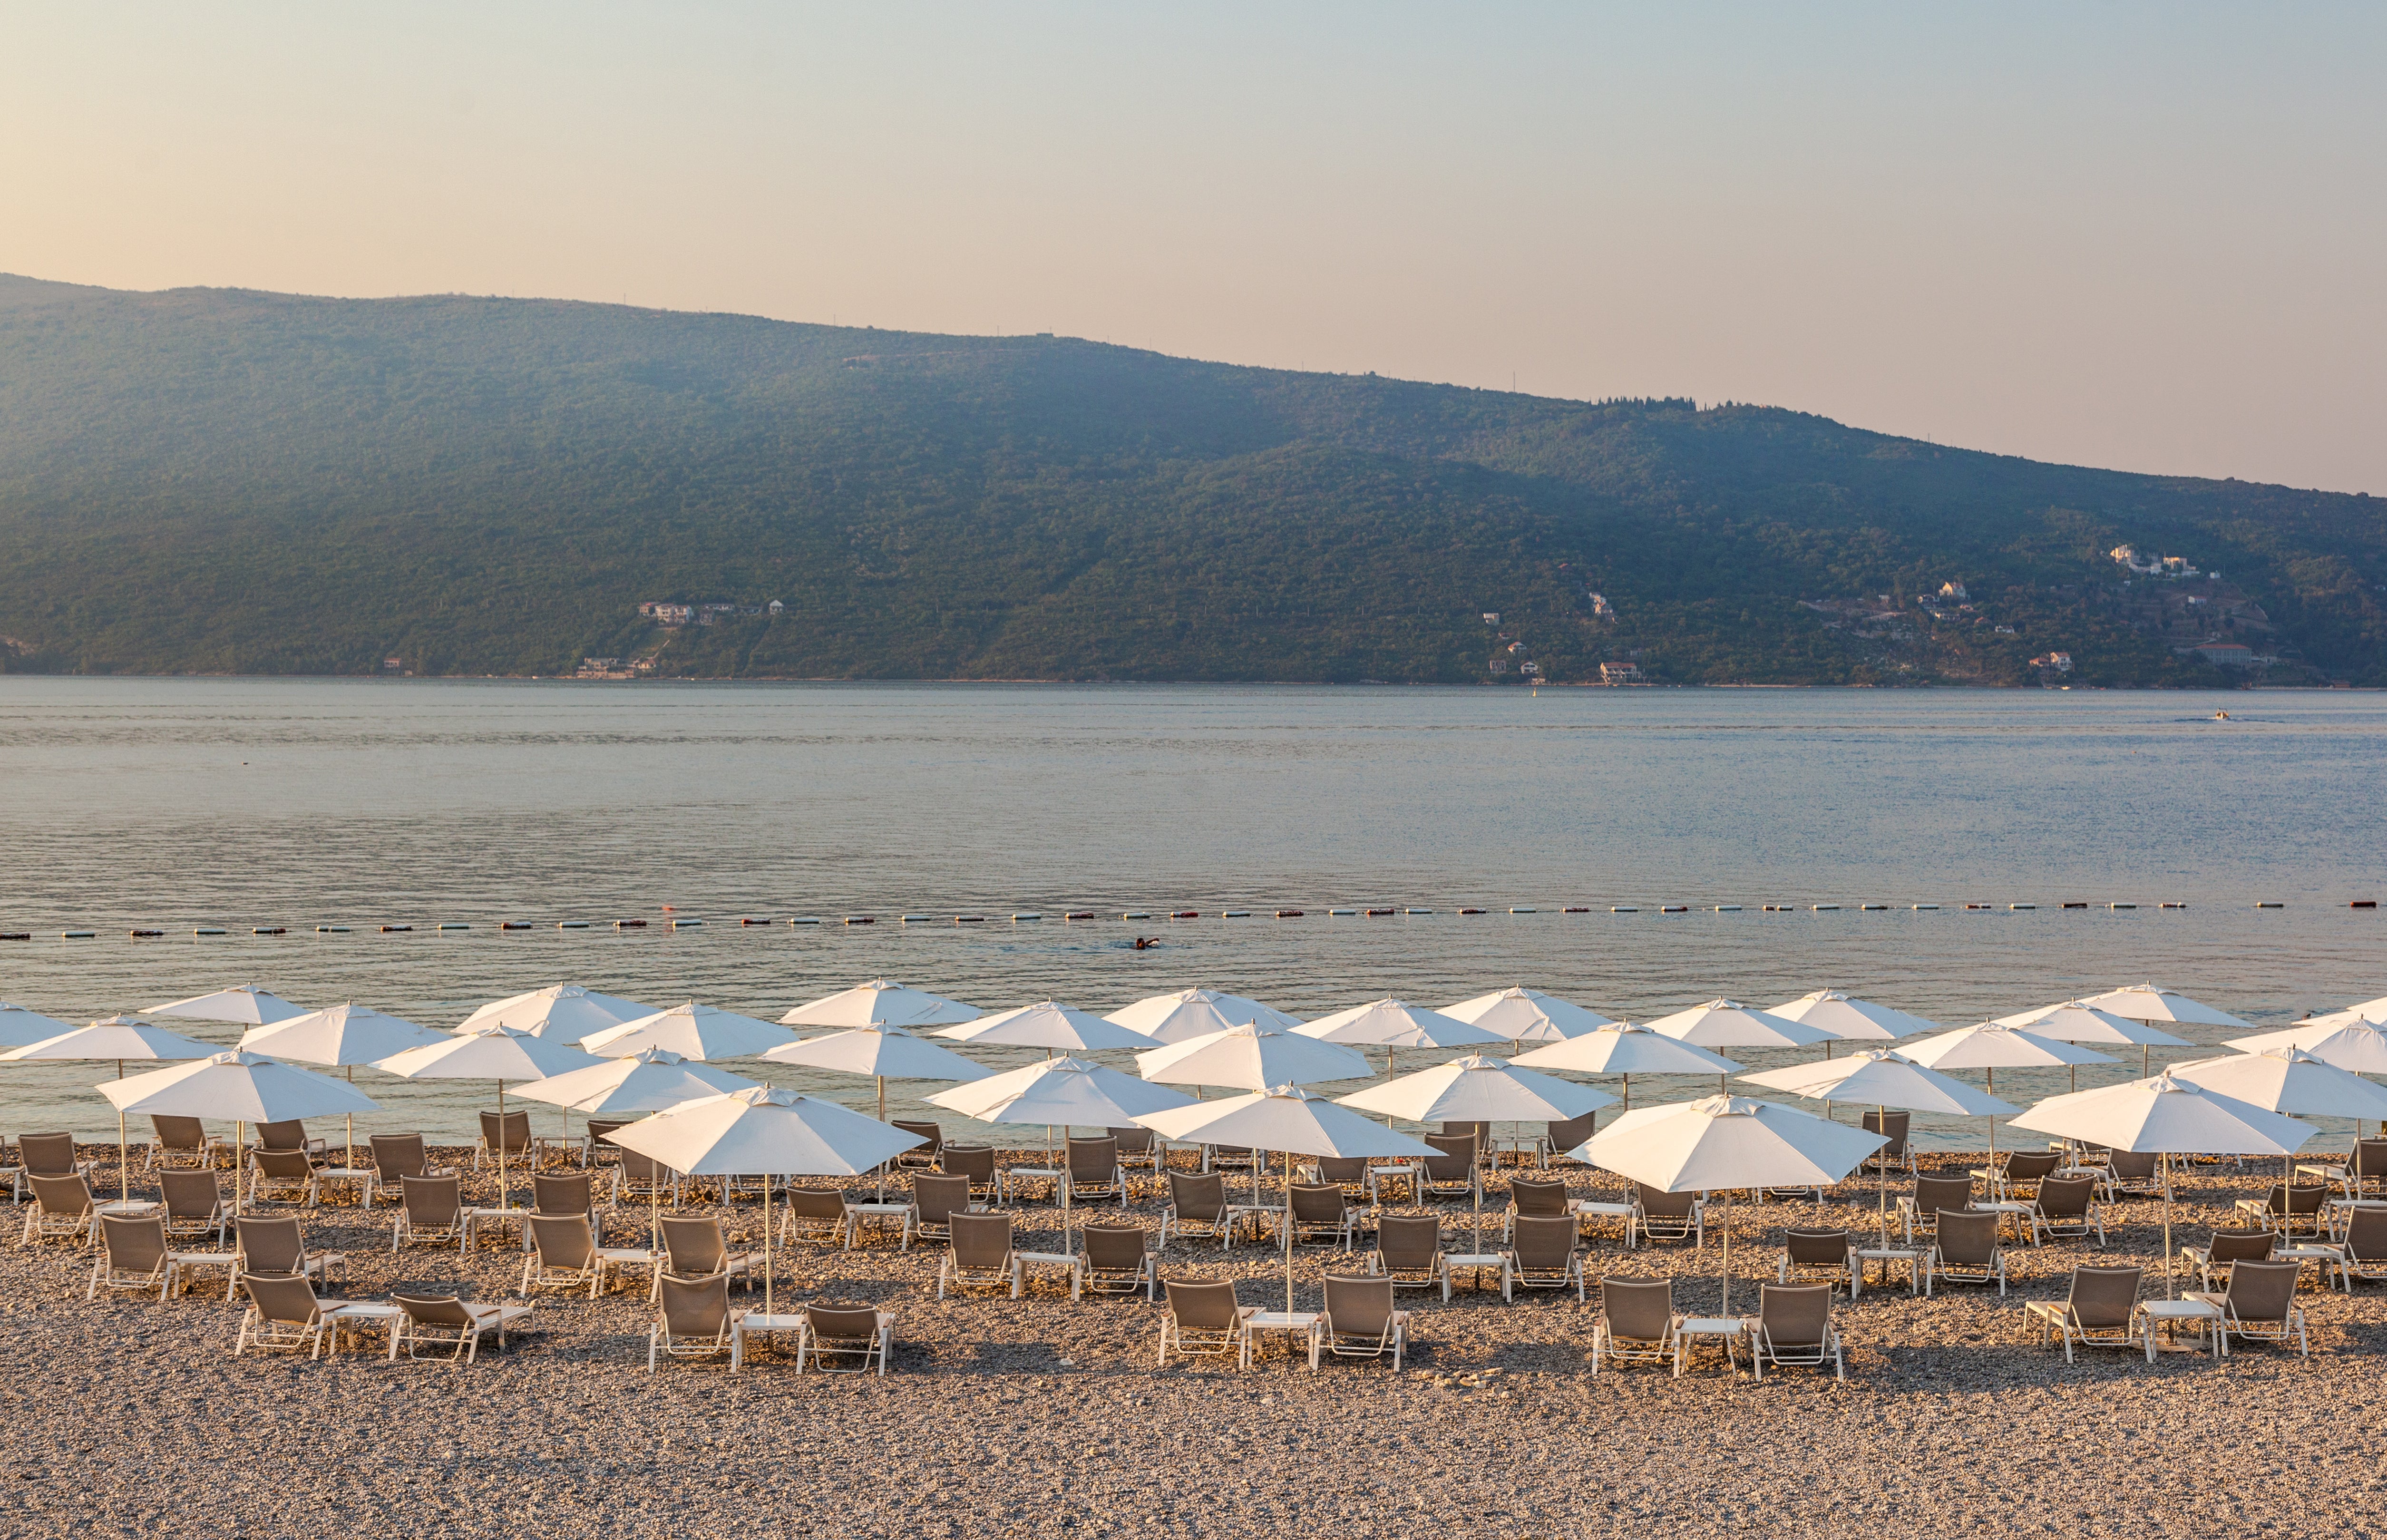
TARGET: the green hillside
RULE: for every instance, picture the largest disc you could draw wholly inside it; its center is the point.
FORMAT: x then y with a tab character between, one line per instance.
224	481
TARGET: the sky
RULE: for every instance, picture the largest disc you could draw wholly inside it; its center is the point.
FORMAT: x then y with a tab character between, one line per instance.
2145	236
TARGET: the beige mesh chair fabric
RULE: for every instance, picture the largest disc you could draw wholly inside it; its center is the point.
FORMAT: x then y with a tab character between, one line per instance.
274	1247
1793	1327
2294	1211
1408	1251
1892	1127
195	1204
1117	1261
289	1134
1543	1254
1359	1322
283	1314
430	1212
1637	1323
845	1339
2019	1172
399	1155
2134	1173
2363	1252
1227	1157
1321	1210
643	1179
437	1321
133	1257
180	1142
2225	1248
977	1163
1094	1170
2366	1174
1807	1254
1451	1171
62	1209
1202	1320
1197	1205
922	1156
815	1214
1668	1216
1560	1139
1138	1149
692	1320
2066	1209
574	1192
51	1154
2100	1310
2260	1304
937	1200
511	1128
1966	1248
601	1150
1348	1172
281	1174
695	1247
981	1255
1542	1199
1920	1209
563	1255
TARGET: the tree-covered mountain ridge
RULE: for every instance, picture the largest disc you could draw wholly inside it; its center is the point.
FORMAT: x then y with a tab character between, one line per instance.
226	481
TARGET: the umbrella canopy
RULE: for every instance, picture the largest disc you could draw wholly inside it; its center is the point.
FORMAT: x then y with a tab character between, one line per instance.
2289	1080
1058	1094
19	1026
2077	1021
880	1000
2152	1002
1850	1019
486	1054
1195	1014
245	1003
1390	1023
2374	1010
1047	1025
692	1032
114	1037
2343	1038
1883	1078
2165	1115
1986	1045
1289	1118
1729	1024
1625	1049
565	1012
887	1052
339	1035
1480	1089
649	1081
1252	1058
1526	1016
247	1088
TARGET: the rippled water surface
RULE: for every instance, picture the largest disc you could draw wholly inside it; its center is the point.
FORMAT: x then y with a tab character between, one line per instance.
244	803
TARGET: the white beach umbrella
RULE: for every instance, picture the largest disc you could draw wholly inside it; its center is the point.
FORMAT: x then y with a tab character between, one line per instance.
1722	1142
880	1000
499	1054
2166	1116
2291	1081
1730	1024
2374	1010
1849	1018
1047	1025
1888	1080
1393	1024
1195	1014
2155	1004
882	1050
342	1037
1289	1118
1988	1047
1060	1093
650	1080
764	1133
118	1038
1252	1058
1625	1049
247	1088
1479	1089
692	1032
565	1012
21	1027
2077	1021
1526	1016
2341	1038
245	1003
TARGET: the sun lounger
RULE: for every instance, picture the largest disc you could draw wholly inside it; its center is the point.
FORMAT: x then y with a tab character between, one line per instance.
1408	1251
692	1320
1637	1323
923	1157
2129	1173
695	1247
1094	1168
444	1320
976	1162
1808	1252
134	1258
2260	1304
51	1154
564	1195
815	1214
274	1247
2066	1207
830	1335
1919	1211
2291	1211
2363	1252
601	1150
1139	1150
430	1211
1451	1171
503	1132
1321	1209
1203	1320
1542	1254
181	1141
981	1255
282	1173
62	1210
1227	1157
2100	1310
1667	1215
2366	1173
1965	1248
399	1155
1359	1322
2019	1172
2225	1249
282	1313
1559	1140
936	1200
290	1134
1793	1327
1116	1261
1894	1129
1539	1199
564	1255
1197	1205
642	1179
194	1203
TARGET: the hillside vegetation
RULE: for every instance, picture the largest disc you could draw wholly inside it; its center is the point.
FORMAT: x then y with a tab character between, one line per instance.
225	481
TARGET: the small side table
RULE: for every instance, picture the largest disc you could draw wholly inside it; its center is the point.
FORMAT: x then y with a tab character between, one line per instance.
755	1323
1067	1261
363	1315
1587	1208
2325	1257
2020	1213
880	1215
2169	1313
1406	1170
1014	1174
183	1261
1918	1271
1478	1263
475	1219
1259	1216
1302	1322
367	1180
1725	1329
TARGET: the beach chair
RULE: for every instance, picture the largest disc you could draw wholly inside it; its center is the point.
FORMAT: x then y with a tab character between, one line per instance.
1965	1248
692	1320
2363	1252
1538	1199
697	1247
1116	1261
399	1155
2260	1304
62	1210
1203	1320
1637	1323
1138	1149
815	1216
1094	1168
274	1247
1667	1215
2066	1207
1542	1254
290	1134
430	1212
443	1321
194	1203
133	1257
922	1156
566	1194
506	1134
2100	1310
2225	1249
642	1179
283	1314
180	1142
856	1335
1807	1252
1197	1205
980	1254
2018	1173
2294	1211
1451	1171
2366	1172
1919	1211
603	1151
936	1200
1348	1172
1793	1328
1227	1157
2130	1173
976	1162
1321	1210
1408	1251
281	1174
1559	1140
51	1154
1892	1127
564	1255
1359	1322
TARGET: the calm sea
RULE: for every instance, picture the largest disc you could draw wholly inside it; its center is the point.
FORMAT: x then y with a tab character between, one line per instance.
242	803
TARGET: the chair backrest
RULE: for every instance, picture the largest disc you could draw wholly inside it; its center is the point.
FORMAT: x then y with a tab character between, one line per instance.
399	1154
284	1165
46	1155
2299	1200
1320	1203
2132	1164
2366	1234
133	1245
1892	1127
564	1194
434	1309
2370	1157
1664	1206
695	1307
1359	1306
1794	1315
433	1203
270	1245
1093	1159
61	1197
191	1194
974	1161
643	1168
2065	1197
1935	1194
816	1203
695	1246
2240	1245
1477	1134
1409	1241
2104	1297
600	1127
1198	1197
2031	1164
563	1240
1348	1170
1450	1164
1545	1240
1538	1197
1817	1248
930	1131
842	1322
981	1241
939	1197
1202	1307
179	1133
1571	1134
2263	1291
288	1134
509	1131
1637	1308
1967	1237
1461	1143
1114	1248
282	1298
1132	1142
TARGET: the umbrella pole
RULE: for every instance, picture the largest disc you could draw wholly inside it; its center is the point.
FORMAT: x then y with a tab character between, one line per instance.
352	1124
2166	1159
1727	1254
882	1165
1990	1080
1285	1224
768	1281
1881	1176
123	1150
239	1147
504	1192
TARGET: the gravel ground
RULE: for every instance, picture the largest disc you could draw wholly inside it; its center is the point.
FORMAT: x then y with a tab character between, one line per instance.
1041	1417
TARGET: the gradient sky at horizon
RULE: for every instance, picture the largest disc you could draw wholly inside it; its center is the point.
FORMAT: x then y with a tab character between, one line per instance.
2134	235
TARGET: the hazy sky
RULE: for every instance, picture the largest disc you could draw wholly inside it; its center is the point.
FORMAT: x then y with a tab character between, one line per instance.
2144	237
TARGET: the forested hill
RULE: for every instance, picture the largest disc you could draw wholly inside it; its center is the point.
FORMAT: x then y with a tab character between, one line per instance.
233	482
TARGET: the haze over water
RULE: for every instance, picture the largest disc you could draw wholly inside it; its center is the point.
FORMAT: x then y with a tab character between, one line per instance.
241	804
